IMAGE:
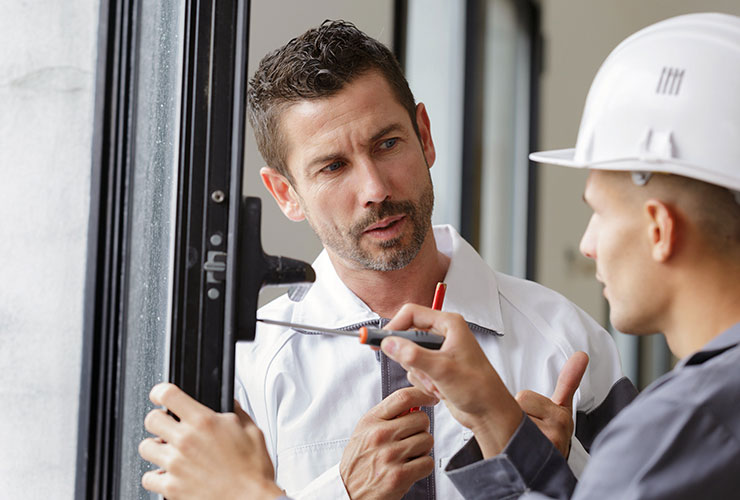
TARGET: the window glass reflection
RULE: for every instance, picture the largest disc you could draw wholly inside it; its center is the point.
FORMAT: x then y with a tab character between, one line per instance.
152	227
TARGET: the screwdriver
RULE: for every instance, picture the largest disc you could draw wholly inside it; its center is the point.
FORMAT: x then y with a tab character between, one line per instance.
369	336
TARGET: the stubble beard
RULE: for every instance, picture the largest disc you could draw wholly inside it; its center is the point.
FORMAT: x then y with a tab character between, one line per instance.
394	254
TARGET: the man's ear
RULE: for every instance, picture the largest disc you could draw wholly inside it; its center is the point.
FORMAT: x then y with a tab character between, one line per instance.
425	134
285	196
662	229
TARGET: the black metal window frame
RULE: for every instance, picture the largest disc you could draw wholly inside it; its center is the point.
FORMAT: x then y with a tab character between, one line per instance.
209	195
105	282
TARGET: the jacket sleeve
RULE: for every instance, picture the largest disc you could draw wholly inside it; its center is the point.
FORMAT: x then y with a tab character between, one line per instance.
529	462
327	485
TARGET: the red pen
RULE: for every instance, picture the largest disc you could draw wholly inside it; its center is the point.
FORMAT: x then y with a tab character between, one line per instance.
439	296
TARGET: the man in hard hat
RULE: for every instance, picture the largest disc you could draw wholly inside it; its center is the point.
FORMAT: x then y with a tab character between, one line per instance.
660	133
349	149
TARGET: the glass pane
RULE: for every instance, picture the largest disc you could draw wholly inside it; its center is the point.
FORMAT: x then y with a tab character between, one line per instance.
152	226
47	91
505	144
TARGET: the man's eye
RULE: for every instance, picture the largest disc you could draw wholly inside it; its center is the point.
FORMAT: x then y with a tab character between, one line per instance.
333	166
389	143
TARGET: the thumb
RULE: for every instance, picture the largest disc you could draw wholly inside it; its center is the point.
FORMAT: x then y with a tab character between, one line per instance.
569	379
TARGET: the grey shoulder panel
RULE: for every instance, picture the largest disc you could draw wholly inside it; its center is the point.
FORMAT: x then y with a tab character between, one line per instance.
589	425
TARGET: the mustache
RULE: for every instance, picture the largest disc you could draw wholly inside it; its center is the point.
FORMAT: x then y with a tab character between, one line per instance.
382	210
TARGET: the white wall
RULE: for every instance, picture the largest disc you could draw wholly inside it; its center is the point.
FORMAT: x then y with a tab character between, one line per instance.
47	63
272	24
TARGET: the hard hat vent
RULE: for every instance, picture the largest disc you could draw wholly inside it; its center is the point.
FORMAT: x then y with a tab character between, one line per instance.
670	81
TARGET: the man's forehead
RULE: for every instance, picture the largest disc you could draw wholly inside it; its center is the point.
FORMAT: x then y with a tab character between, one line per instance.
319	127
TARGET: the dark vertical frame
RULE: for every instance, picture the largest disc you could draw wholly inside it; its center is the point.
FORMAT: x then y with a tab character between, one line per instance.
531	15
400	27
105	282
472	134
209	185
470	200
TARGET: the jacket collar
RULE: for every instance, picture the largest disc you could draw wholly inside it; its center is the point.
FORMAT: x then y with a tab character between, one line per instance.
472	290
726	340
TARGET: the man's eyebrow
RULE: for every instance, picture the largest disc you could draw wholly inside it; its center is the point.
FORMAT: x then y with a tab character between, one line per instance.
386	130
334	155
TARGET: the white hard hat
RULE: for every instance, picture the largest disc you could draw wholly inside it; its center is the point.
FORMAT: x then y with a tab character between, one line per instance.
667	99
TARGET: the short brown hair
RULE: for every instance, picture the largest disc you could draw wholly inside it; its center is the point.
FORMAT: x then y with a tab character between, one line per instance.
319	63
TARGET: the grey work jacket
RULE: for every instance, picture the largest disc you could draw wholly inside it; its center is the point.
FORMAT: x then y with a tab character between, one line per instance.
679	439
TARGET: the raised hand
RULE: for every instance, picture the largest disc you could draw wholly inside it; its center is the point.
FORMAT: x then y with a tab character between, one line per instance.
554	416
389	448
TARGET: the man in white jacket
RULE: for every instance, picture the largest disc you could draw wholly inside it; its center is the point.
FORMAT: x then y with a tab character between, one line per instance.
349	150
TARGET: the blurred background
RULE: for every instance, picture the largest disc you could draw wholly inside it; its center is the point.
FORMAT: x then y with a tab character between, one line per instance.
500	78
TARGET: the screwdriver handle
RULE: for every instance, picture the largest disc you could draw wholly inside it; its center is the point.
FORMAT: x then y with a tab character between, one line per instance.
374	336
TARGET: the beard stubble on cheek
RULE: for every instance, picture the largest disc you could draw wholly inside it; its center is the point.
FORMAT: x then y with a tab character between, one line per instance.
391	254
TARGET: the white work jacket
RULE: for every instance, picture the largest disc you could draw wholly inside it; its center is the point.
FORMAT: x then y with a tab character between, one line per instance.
308	391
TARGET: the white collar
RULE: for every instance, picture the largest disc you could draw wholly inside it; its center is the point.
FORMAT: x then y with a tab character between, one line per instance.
472	290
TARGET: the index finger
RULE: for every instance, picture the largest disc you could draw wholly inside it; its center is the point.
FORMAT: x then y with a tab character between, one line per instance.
176	400
424	318
402	400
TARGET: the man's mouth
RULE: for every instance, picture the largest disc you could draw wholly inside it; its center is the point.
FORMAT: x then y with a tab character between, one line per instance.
384	224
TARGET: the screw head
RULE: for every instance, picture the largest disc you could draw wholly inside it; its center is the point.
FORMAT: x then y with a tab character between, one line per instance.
218	196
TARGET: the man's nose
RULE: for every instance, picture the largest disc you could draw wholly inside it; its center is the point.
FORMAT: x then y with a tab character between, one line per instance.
374	185
588	240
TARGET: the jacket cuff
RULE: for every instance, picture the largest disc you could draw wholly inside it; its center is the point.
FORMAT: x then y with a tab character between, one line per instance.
327	485
529	462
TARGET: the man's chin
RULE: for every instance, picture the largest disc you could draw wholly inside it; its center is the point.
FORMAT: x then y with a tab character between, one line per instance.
394	260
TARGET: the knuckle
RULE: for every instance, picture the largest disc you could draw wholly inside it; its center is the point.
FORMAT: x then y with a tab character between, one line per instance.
407	307
408	355
170	487
419	420
428	441
524	396
205	421
385	456
230	418
143	445
457	317
166	390
380	436
173	465
185	443
146	480
150	418
426	464
395	478
404	397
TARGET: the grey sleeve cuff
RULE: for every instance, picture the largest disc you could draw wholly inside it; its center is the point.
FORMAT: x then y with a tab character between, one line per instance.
529	462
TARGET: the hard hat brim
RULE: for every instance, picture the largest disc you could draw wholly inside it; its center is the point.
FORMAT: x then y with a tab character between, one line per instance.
564	157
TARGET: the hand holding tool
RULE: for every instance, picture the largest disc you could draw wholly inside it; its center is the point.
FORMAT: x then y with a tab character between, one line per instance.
368	335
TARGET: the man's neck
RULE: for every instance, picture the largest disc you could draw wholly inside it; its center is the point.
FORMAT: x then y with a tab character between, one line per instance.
386	291
708	305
